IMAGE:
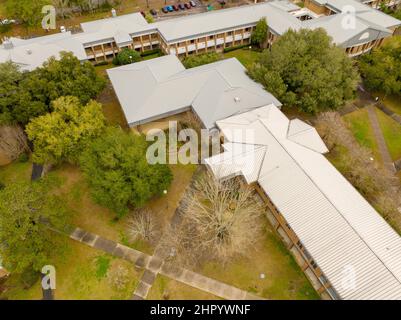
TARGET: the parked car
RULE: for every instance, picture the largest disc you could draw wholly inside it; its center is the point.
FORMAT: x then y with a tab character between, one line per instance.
181	6
164	9
192	3
175	7
153	12
170	8
187	5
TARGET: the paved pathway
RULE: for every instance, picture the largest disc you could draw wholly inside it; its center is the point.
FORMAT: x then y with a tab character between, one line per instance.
154	265
385	154
160	253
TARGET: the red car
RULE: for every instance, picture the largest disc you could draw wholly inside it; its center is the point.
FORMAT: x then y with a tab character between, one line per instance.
187	5
175	7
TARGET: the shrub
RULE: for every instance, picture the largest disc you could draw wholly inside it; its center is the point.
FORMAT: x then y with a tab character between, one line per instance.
126	56
201	59
229	49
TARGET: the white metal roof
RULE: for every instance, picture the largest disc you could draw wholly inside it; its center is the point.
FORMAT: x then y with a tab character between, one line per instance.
370	24
156	88
32	53
341	231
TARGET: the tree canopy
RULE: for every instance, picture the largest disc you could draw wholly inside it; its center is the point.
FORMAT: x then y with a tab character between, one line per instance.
305	70
259	35
381	70
27	11
63	134
24	241
201	59
10	94
30	94
126	56
118	172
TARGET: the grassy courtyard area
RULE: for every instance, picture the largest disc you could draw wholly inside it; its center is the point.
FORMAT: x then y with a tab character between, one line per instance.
392	134
168	289
359	123
83	273
246	56
392	102
283	277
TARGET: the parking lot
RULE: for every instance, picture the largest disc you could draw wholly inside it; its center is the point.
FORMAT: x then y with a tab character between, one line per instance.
174	8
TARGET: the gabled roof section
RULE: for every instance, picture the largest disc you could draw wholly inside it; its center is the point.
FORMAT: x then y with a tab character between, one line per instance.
305	135
239	159
340	230
32	53
153	89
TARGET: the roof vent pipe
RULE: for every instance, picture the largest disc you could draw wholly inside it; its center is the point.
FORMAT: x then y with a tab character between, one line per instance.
237	99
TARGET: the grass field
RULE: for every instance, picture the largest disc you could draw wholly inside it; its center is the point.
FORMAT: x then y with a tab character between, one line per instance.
245	56
168	289
392	102
392	134
84	273
283	277
359	123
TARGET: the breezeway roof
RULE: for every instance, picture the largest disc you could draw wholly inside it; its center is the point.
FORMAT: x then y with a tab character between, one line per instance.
340	230
157	88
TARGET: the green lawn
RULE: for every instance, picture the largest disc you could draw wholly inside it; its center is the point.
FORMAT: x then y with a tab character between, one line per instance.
283	277
392	102
245	56
167	289
15	172
83	273
392	134
359	123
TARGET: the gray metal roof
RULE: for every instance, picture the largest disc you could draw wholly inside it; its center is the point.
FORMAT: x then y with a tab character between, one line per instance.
32	53
279	18
358	252
159	87
277	14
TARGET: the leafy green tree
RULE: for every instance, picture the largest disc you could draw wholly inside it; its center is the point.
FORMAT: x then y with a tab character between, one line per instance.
259	35
201	59
10	76
381	70
118	172
305	70
149	18
126	56
397	14
24	241
28	11
62	134
24	96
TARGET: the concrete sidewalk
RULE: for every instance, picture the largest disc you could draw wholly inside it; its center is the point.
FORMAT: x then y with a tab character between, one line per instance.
154	265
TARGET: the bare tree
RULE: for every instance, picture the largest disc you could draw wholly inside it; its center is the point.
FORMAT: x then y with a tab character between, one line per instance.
143	225
12	143
220	220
